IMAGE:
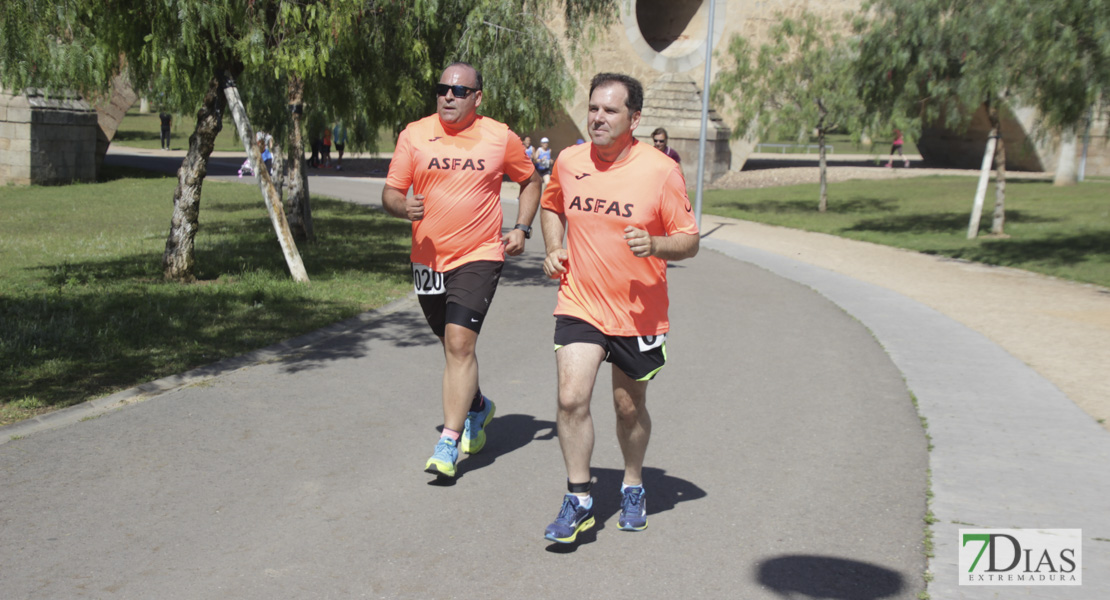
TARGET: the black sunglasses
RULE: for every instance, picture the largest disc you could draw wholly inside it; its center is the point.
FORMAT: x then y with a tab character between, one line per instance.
459	91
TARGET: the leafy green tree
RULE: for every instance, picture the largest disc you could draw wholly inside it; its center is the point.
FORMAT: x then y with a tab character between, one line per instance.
926	61
1068	71
799	82
367	62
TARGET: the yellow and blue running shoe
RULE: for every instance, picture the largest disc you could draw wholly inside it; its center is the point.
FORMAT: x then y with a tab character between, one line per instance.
633	510
572	519
474	432
443	460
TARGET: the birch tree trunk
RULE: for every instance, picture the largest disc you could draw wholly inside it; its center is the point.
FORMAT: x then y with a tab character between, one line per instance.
179	259
262	176
998	219
981	190
1066	167
300	208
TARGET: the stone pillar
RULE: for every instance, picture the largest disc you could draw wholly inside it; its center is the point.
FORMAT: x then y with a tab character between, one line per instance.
46	140
673	102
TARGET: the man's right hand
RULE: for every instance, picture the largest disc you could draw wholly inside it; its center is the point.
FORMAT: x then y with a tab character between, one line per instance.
554	265
414	207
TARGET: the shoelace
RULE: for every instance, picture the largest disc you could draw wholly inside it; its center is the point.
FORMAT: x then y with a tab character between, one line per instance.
566	513
632	502
443	450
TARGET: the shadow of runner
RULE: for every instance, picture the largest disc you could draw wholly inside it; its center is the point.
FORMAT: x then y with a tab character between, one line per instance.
663	492
505	434
828	577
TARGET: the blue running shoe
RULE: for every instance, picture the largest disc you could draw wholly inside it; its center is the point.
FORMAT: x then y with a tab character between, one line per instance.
474	432
443	460
633	510
571	520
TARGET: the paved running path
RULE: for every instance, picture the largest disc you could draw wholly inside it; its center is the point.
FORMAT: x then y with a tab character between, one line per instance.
787	460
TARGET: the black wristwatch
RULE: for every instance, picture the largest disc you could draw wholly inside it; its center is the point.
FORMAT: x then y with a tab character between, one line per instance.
526	229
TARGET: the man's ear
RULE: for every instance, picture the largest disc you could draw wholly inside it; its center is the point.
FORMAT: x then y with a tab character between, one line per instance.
477	98
635	121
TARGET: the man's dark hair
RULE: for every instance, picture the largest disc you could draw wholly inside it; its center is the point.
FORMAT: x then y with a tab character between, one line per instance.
477	73
635	102
659	130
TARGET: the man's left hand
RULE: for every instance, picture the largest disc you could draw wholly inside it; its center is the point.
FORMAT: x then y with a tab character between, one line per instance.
639	242
513	242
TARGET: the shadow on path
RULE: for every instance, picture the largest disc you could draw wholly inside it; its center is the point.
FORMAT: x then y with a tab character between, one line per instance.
828	577
663	493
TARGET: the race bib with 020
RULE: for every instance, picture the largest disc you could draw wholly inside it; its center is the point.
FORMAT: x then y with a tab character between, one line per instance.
427	282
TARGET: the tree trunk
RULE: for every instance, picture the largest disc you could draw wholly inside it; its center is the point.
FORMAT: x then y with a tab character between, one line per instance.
262	176
823	203
178	261
1066	167
998	220
279	170
300	208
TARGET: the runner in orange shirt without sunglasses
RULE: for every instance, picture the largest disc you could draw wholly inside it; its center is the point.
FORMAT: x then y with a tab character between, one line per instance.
454	162
624	211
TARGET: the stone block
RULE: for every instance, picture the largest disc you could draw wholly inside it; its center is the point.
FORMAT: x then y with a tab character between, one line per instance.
19	115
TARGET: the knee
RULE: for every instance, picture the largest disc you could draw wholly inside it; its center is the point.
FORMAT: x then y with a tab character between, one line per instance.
458	348
629	412
574	404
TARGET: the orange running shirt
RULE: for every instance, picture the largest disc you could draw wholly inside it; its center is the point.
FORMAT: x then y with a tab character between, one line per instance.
605	284
460	178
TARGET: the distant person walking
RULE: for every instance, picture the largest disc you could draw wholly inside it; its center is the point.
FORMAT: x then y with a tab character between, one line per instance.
339	137
325	148
167	121
542	158
896	148
660	138
454	161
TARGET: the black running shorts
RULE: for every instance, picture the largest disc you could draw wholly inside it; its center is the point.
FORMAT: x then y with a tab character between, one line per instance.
461	296
639	357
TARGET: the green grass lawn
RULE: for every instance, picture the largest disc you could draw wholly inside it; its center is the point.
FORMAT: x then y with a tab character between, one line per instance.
1058	231
138	130
84	311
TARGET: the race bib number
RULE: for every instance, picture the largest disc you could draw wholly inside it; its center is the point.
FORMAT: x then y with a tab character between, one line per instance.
427	282
648	342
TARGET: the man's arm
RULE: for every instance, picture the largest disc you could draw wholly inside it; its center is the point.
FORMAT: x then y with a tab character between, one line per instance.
399	204
676	246
554	226
526	213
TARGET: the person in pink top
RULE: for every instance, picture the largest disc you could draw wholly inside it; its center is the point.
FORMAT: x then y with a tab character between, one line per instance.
896	148
454	162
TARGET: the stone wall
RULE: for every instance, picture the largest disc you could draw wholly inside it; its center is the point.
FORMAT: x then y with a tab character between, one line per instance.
46	140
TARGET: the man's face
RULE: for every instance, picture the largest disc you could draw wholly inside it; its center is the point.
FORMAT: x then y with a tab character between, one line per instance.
660	141
609	121
455	110
527	141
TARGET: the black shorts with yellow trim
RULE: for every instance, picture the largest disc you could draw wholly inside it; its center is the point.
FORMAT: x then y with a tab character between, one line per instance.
468	292
640	357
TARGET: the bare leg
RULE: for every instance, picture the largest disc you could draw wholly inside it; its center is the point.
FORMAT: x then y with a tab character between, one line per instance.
577	366
460	375
633	423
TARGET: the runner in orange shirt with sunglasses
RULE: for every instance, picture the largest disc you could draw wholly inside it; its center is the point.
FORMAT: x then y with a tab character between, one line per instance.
454	162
